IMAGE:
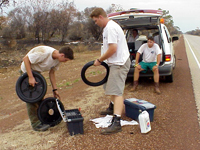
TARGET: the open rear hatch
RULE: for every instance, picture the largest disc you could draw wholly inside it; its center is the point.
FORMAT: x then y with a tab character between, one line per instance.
135	18
146	21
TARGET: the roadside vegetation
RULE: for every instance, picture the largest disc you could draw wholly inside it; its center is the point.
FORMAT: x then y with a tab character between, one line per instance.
194	32
51	23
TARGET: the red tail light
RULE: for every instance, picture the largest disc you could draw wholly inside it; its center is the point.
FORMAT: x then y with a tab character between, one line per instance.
167	57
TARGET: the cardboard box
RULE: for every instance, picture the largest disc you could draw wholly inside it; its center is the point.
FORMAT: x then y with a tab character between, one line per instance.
133	107
74	121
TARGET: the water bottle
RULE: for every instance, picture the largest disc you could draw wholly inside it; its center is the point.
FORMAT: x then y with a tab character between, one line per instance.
144	122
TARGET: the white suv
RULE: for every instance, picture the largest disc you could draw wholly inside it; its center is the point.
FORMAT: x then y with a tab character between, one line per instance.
148	23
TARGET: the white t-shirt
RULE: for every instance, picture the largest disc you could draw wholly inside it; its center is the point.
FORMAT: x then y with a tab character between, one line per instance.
113	33
41	59
132	39
150	54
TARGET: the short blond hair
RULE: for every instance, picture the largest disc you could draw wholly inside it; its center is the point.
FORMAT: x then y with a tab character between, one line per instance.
97	12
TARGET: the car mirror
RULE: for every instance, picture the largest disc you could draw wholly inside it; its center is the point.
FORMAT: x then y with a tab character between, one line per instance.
174	38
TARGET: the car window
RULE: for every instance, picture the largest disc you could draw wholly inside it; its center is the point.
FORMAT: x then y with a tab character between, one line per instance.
143	32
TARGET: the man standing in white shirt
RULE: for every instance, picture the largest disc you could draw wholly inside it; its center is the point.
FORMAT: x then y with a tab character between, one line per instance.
115	51
151	59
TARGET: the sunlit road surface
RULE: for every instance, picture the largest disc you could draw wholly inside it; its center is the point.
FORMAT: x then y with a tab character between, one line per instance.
192	44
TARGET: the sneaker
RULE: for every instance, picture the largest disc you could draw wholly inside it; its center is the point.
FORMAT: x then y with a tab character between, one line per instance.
114	127
42	127
108	111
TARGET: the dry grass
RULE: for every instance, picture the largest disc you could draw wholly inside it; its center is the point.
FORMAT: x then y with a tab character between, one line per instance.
12	54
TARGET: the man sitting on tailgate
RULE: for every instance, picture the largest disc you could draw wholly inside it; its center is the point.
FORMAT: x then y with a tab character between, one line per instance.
151	59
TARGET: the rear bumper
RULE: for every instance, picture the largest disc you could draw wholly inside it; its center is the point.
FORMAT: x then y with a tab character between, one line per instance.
164	70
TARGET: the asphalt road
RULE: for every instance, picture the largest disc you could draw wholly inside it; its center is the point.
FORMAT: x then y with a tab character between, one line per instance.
193	53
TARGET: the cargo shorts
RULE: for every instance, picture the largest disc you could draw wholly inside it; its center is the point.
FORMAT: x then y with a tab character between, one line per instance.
116	79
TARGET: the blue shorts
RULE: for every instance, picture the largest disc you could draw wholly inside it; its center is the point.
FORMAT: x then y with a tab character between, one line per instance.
146	65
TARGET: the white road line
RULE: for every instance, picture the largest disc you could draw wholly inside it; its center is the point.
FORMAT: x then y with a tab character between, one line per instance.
194	75
193	53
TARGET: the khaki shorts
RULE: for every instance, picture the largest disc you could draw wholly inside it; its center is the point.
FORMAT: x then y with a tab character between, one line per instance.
116	79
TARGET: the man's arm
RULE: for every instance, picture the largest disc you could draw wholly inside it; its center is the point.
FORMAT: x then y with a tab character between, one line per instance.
137	58
31	78
158	59
111	50
137	61
53	83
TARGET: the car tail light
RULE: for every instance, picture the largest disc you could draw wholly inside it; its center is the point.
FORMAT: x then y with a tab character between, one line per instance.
167	57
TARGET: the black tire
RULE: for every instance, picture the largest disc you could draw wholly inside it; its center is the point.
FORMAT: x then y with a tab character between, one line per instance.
43	111
86	66
28	93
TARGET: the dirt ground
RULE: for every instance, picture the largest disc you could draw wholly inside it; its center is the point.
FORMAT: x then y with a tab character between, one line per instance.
175	124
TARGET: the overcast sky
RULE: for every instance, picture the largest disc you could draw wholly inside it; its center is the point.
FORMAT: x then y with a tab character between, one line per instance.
185	13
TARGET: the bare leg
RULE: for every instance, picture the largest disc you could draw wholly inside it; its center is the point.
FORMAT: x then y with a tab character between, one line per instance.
118	104
156	75
136	74
156	80
136	77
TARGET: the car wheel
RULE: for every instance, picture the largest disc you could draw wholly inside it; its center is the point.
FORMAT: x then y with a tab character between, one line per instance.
169	78
28	93
48	112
